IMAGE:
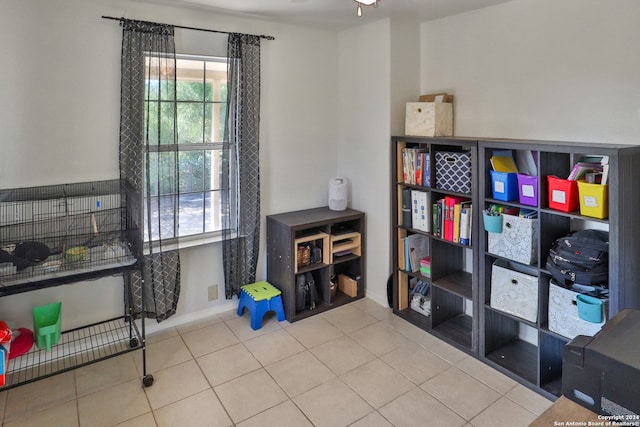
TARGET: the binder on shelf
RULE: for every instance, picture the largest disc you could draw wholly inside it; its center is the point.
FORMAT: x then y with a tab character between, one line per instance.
456	223
465	223
419	215
406	207
450	202
407	259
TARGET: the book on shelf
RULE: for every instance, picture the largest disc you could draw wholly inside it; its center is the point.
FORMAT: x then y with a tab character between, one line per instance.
437	217
452	219
593	177
426	167
405	168
425	266
605	174
581	169
416	247
588	167
416	166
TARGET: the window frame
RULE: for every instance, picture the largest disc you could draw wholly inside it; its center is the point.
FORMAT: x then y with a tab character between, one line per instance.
203	237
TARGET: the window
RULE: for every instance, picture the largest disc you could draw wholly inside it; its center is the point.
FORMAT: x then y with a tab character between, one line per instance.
199	109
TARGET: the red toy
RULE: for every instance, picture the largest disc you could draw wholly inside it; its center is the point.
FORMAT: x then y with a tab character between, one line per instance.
21	342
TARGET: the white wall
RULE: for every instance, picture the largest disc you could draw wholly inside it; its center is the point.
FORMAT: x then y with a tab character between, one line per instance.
378	74
541	69
59	115
363	105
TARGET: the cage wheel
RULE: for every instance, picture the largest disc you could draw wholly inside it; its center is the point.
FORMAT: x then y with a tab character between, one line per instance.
147	380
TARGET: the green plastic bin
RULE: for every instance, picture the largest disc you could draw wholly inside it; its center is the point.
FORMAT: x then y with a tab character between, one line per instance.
46	324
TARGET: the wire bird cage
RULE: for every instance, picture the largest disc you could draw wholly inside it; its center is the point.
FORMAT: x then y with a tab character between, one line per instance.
56	231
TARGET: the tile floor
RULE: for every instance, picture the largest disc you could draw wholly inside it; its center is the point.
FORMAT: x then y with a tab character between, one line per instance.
357	365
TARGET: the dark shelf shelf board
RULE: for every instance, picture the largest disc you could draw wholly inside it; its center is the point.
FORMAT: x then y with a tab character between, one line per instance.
344	258
415	318
459	283
519	357
458	329
340	299
511	316
553	387
311	267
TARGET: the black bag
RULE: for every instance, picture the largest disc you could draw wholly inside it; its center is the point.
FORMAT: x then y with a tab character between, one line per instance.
306	292
581	257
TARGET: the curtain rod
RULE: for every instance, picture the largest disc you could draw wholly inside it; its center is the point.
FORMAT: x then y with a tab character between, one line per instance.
187	28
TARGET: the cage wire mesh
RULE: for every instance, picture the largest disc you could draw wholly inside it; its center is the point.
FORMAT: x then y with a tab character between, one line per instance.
60	230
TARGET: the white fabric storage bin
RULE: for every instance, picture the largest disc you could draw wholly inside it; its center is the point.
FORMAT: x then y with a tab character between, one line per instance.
563	314
514	291
518	240
429	119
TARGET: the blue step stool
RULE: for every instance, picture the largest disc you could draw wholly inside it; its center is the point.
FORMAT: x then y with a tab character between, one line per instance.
259	298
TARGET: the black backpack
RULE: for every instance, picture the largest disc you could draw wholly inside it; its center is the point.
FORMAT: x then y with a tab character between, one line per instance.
306	292
581	257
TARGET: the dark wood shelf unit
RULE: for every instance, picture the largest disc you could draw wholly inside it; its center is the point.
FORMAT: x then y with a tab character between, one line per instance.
282	231
454	314
535	357
526	351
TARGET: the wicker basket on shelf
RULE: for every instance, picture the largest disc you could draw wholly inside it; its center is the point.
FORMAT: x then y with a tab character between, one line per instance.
304	255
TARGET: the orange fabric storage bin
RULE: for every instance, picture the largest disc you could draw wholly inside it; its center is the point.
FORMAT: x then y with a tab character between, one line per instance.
563	194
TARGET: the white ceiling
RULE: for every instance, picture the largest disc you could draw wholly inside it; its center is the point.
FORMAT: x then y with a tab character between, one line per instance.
335	14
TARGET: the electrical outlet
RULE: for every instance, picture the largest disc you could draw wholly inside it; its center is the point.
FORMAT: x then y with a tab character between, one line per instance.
213	292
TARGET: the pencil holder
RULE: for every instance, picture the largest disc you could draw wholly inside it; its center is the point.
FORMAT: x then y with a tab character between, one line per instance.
492	223
589	308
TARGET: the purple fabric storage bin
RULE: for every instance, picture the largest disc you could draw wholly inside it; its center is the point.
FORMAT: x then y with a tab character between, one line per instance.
528	189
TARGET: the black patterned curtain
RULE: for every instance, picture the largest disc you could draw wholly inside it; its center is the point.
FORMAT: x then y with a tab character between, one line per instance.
148	161
240	167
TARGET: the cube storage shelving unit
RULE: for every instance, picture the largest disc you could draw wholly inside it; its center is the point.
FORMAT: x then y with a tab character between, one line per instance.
454	284
339	235
525	350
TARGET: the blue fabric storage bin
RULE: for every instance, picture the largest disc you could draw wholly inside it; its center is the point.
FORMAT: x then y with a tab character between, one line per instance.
504	185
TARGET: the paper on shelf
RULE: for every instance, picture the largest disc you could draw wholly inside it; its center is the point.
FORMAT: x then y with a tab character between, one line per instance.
503	164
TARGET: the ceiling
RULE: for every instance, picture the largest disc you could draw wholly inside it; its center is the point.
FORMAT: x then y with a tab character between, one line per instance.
335	14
